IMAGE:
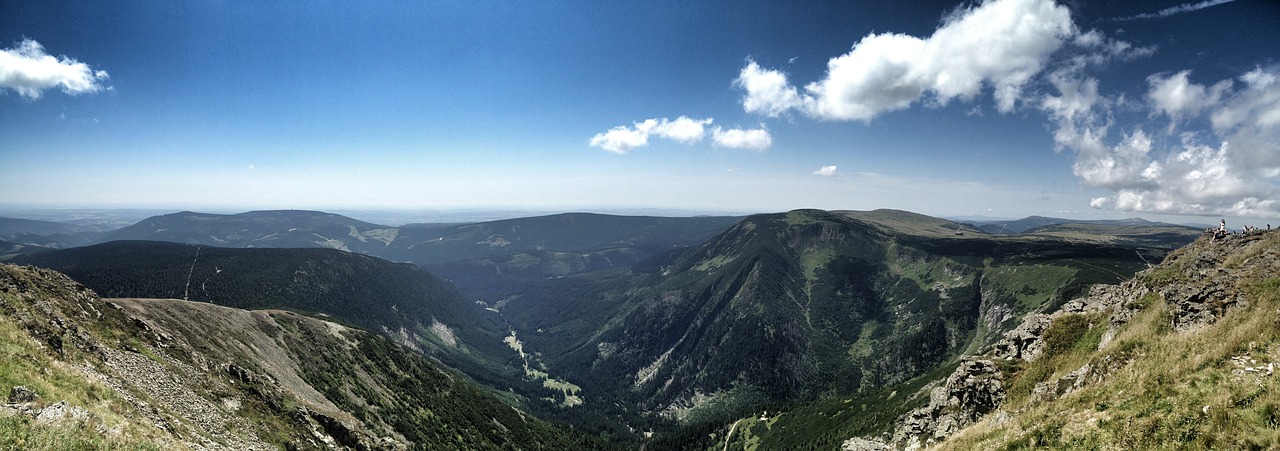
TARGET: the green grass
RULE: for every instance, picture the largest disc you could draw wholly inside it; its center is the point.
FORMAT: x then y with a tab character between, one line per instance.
22	432
23	362
1030	285
1161	390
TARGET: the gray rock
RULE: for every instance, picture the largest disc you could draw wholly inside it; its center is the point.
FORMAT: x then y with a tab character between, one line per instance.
862	444
61	412
22	395
975	388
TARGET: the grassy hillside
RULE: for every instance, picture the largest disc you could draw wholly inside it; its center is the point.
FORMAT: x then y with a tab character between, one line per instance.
169	374
1151	374
400	301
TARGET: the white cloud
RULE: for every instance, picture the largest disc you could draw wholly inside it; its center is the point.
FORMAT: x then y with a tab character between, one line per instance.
1233	168
872	78
28	70
768	92
683	130
1102	49
736	138
1183	8
1000	43
1175	96
826	171
622	139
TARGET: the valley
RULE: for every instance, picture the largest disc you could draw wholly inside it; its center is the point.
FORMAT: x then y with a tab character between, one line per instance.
803	328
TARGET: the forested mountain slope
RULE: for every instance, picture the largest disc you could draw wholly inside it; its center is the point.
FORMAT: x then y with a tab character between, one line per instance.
805	305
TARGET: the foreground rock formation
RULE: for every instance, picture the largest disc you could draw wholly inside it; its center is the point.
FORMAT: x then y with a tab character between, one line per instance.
1193	288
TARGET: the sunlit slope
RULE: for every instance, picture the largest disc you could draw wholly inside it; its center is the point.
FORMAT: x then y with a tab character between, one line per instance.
1184	356
171	374
398	300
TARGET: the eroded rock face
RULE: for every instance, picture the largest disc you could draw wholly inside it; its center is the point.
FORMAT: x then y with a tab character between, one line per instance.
1200	285
973	390
862	444
1023	342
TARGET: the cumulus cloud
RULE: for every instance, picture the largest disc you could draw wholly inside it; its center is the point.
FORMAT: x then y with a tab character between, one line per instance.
1230	168
768	91
737	138
622	139
1000	43
1174	95
826	171
684	130
28	70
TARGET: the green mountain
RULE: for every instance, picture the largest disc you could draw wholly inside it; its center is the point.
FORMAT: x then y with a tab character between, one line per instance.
495	260
488	260
398	300
278	228
88	373
802	306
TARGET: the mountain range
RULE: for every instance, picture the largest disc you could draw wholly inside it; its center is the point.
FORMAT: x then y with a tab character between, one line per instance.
626	325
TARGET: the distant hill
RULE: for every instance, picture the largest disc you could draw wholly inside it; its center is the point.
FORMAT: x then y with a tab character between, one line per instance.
90	373
45	234
10	226
277	228
9	250
520	252
425	244
494	260
1032	222
568	232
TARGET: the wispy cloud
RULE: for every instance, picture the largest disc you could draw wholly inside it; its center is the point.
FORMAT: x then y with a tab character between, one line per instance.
28	70
1000	43
684	130
826	171
1183	8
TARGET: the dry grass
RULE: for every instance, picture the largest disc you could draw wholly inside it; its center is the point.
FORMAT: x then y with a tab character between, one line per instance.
1178	390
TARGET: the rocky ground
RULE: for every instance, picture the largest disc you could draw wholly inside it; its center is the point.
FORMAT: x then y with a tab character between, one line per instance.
1199	283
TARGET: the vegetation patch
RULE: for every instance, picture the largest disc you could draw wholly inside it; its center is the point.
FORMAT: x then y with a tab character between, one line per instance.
1216	387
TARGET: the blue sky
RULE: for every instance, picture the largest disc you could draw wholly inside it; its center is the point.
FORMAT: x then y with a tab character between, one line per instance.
1002	108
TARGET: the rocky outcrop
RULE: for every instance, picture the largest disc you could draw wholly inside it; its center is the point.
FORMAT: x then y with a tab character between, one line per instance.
1198	284
26	402
974	389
